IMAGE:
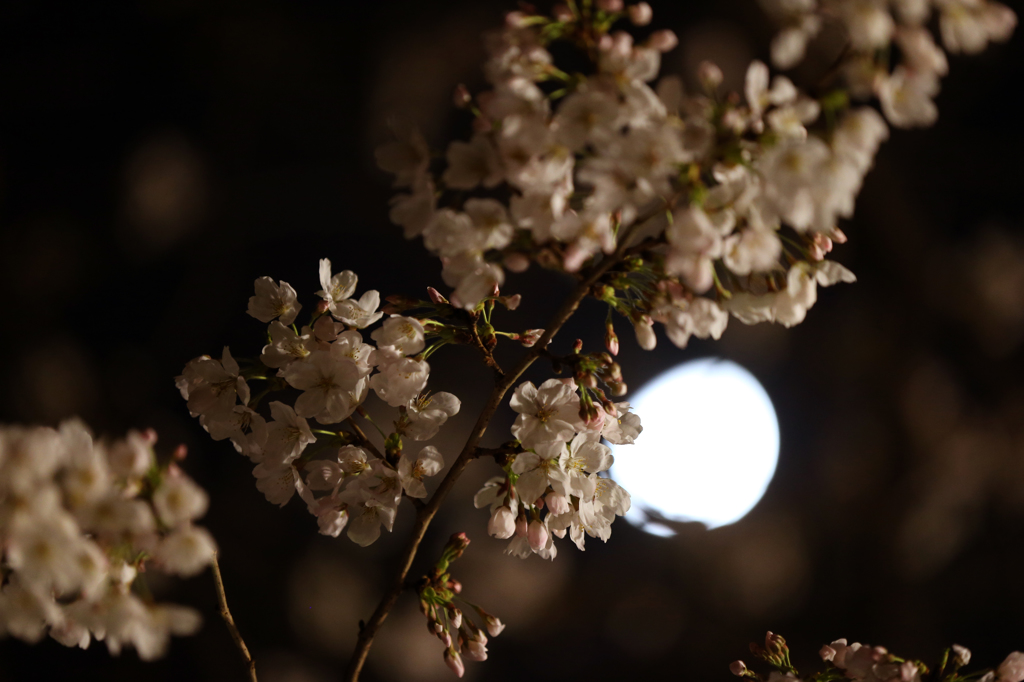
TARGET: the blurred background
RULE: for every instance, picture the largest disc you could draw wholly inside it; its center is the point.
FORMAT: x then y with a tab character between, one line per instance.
157	156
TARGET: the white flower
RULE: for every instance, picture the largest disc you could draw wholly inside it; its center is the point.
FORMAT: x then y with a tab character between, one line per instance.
337	291
332	387
246	429
906	97
382	482
589	233
366	514
27	612
398	383
1011	669
352	460
858	135
186	551
868	22
789	170
412	470
801	292
752	251
286	346
623	427
414	211
212	386
404	333
586	116
287	436
407	156
178	500
473	278
969	26
43	554
426	414
473	163
132	457
273	300
277	484
537	471
583	456
546	414
694	242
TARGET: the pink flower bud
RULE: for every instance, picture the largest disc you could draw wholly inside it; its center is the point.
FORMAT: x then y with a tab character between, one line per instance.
609	5
461	97
435	296
455	586
611	340
322	307
530	337
562	13
512	302
515	20
180	452
454	661
502	524
557	503
476	651
663	40
710	75
537	534
492	623
455	617
827	653
838	236
640	14
908	672
738	668
521	526
961	655
1012	669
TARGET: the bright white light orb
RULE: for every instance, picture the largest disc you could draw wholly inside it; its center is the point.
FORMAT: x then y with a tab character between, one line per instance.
708	449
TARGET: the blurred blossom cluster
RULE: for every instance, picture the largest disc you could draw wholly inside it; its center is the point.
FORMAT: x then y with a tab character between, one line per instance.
863	663
80	520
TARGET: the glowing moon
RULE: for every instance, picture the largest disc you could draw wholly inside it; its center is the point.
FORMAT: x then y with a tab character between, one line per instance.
708	449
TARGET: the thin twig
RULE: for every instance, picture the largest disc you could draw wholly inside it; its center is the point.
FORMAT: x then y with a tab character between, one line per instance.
427	513
225	613
363	440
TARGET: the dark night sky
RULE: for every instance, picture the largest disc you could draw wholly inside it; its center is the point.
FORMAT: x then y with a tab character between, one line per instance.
158	156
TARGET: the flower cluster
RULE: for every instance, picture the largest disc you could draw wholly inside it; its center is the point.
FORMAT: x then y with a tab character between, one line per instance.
862	663
905	89
438	593
728	202
327	370
80	520
553	479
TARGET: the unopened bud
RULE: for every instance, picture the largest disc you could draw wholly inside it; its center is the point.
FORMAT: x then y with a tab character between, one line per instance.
436	297
455	586
454	661
710	75
578	346
495	291
530	337
149	437
521	526
562	13
537	535
838	236
502	524
617	388
663	41
455	617
645	333
611	340
461	97
492	623
738	668
457	544
322	307
640	14
610	5
515	20
557	503
476	650
511	302
827	653
180	452
961	655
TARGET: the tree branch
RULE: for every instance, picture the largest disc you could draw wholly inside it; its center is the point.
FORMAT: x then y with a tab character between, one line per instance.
225	613
469	451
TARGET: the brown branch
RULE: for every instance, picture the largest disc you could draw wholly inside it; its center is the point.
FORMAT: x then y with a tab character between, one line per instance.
427	513
363	440
225	613
488	356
